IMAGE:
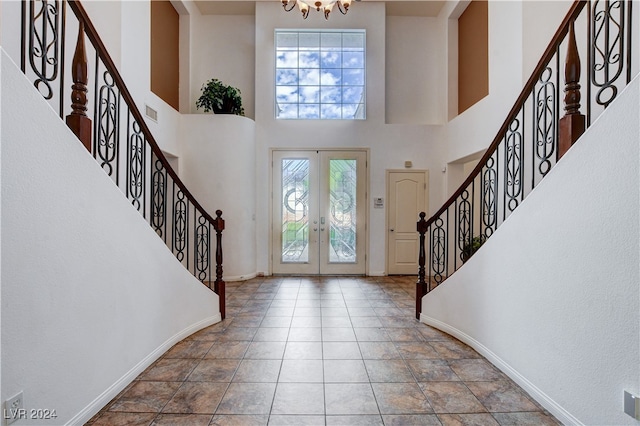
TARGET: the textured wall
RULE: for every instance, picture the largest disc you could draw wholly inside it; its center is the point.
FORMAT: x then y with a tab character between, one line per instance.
553	298
84	310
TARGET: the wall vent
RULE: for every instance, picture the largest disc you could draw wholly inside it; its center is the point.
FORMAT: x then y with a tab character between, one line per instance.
151	113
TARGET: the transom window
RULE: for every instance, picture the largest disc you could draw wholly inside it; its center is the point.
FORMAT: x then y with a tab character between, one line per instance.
320	74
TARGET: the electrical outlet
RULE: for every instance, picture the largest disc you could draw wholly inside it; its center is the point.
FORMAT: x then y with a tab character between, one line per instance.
14	408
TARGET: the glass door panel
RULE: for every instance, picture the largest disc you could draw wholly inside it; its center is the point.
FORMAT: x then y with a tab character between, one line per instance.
319	212
295	211
342	208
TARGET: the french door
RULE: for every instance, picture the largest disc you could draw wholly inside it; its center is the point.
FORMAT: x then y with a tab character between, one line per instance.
319	212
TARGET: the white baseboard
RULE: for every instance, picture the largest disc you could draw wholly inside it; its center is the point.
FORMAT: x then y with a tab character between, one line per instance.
377	274
542	398
103	399
239	277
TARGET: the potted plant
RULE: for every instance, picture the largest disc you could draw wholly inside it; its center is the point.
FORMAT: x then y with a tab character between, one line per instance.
471	247
220	98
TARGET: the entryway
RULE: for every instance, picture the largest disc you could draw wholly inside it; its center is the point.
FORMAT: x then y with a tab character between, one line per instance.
319	212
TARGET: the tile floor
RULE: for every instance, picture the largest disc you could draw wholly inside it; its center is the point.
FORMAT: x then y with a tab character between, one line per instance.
322	351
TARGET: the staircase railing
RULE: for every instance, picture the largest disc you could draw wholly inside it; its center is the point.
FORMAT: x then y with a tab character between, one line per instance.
533	136
117	134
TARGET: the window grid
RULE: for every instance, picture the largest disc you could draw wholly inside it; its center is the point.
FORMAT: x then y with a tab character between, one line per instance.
317	78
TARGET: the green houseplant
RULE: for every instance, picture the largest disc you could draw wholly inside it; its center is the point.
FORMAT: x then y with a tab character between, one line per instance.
472	246
220	98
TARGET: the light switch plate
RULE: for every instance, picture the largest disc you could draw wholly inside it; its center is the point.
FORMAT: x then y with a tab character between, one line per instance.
632	405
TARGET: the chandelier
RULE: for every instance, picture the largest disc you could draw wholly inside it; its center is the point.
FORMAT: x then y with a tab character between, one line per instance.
325	5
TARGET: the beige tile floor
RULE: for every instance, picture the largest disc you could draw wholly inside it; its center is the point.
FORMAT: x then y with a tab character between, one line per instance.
322	351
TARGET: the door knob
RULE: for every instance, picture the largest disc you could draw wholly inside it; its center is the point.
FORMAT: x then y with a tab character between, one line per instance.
391	229
322	229
315	229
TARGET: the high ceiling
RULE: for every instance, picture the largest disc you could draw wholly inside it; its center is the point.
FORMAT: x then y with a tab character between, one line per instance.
394	7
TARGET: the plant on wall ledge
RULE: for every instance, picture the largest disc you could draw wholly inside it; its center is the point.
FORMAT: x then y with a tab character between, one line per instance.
220	98
472	247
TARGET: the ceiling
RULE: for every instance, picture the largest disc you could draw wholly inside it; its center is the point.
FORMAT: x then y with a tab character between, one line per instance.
429	8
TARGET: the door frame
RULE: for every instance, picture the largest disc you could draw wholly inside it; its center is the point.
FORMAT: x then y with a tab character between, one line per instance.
366	197
424	172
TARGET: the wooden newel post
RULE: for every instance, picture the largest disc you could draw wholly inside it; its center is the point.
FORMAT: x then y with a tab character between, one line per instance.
421	285
218	285
78	121
572	125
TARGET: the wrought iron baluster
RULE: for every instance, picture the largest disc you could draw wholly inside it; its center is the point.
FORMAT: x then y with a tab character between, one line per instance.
158	197
23	36
136	159
629	40
438	250
180	225
108	126
202	245
546	119
464	227
607	48
489	196
44	45
513	166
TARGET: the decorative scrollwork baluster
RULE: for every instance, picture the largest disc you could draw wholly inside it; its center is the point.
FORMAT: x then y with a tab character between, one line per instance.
607	48
202	244
180	225
108	125
464	224
136	166
489	190
158	197
513	178
546	119
43	49
438	250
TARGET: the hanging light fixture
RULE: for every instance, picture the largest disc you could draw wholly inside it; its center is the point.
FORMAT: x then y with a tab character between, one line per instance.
325	5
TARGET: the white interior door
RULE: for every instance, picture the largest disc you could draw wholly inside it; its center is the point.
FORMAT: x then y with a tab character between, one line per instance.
319	212
407	195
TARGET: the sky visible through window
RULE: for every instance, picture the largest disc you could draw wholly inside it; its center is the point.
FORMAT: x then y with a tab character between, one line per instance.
320	74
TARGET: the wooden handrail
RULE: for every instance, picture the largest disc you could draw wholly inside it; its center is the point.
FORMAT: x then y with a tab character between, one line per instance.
91	32
574	11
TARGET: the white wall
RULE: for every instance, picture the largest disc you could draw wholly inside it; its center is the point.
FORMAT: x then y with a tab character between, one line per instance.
519	32
105	16
83	310
475	128
553	298
218	167
540	20
389	144
413	62
223	47
135	70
